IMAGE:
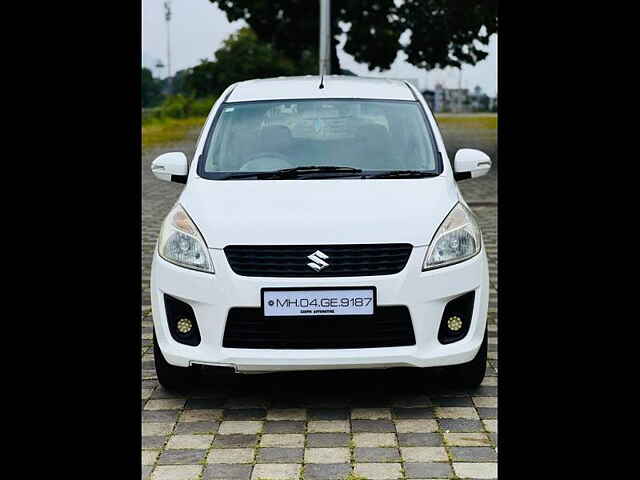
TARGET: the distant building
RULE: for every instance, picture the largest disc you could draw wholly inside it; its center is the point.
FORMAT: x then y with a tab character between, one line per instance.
459	100
480	102
493	104
453	100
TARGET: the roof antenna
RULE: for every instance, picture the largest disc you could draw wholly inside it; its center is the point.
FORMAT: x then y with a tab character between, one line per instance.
325	41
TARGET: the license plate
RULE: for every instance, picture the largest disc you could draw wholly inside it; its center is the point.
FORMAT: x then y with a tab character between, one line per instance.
315	302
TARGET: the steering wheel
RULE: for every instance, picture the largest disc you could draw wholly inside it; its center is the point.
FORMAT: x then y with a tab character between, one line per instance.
265	161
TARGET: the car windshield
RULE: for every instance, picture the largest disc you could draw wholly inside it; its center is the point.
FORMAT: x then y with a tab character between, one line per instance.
367	136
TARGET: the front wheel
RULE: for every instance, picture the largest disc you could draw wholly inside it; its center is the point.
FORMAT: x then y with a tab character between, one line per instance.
470	374
170	376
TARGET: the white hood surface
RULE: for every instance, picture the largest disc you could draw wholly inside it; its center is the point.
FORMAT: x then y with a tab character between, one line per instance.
318	212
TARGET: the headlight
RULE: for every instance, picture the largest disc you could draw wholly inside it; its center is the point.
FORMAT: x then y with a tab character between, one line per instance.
180	242
457	239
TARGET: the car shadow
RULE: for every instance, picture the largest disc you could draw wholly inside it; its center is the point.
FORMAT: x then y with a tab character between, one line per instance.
362	387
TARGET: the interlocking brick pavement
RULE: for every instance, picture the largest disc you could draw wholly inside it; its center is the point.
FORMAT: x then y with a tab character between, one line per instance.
379	424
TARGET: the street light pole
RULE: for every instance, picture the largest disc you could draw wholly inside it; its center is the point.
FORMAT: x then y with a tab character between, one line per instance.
325	37
167	16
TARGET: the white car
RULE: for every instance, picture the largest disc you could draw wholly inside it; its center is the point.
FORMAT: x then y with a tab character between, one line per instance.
320	227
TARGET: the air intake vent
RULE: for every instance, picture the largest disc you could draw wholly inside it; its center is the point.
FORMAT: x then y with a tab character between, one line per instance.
389	327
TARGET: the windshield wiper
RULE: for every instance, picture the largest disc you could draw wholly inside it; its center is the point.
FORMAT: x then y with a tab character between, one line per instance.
294	172
402	174
324	169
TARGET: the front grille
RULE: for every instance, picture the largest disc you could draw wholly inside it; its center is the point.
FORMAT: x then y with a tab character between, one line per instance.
387	327
343	260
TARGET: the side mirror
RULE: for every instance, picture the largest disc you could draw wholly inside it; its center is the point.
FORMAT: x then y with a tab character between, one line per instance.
171	167
470	163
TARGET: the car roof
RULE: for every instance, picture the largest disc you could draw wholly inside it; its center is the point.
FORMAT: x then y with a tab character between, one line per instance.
335	86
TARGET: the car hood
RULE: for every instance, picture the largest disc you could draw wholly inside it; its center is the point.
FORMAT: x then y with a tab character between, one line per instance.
318	212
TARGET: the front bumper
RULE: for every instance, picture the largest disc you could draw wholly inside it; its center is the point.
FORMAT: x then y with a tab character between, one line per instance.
424	293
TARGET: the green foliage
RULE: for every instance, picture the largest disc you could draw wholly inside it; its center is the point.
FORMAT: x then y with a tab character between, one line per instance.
200	107
241	57
151	89
178	82
180	106
202	79
443	32
176	106
290	26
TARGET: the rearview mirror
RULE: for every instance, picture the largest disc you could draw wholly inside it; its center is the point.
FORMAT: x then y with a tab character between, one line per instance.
171	167
470	163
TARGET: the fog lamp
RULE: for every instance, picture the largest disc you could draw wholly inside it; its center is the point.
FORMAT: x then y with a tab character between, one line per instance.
184	325
454	323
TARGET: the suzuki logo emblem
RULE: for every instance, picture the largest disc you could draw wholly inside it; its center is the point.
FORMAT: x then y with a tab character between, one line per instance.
318	261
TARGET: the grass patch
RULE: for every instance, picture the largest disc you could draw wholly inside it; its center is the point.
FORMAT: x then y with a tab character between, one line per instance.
354	476
481	121
166	130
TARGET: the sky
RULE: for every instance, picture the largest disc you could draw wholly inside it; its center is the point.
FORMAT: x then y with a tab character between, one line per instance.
199	27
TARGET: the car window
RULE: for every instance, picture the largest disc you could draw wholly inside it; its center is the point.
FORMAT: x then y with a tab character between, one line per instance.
365	134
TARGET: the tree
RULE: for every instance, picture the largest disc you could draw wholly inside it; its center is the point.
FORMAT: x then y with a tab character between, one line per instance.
151	89
177	83
201	80
442	32
241	57
445	33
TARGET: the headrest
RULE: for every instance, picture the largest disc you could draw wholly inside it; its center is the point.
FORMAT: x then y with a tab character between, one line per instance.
275	138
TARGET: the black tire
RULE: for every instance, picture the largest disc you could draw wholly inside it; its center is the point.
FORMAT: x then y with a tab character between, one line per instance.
172	377
470	374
